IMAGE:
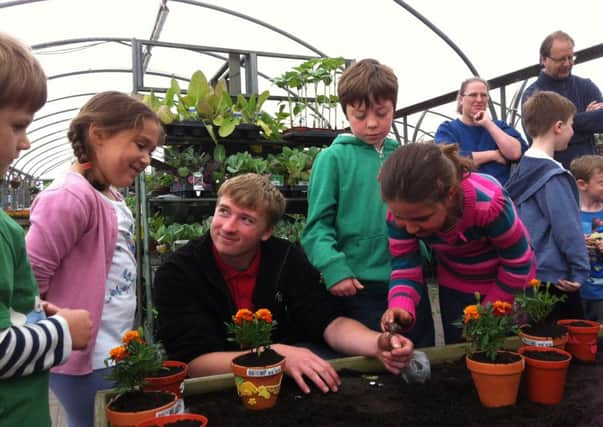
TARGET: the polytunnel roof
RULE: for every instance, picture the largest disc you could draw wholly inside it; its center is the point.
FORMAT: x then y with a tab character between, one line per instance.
85	46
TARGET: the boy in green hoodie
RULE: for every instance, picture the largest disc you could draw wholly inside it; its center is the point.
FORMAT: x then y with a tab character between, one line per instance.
345	236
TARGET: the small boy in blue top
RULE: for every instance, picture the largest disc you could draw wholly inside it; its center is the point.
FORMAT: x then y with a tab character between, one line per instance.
547	200
588	172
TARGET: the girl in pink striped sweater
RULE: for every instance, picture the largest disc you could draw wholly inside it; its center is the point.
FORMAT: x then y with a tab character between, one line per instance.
468	221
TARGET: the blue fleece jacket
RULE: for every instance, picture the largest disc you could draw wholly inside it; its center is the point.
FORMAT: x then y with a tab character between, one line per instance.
581	92
477	138
547	200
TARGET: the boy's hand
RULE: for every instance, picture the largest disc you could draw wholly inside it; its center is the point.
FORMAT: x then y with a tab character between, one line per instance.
80	326
396	320
567	285
394	351
594	105
49	308
346	288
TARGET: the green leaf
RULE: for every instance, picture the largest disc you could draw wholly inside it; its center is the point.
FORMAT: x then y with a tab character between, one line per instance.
227	127
198	88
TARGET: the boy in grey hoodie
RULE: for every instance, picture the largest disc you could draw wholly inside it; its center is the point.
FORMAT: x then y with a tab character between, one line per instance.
547	200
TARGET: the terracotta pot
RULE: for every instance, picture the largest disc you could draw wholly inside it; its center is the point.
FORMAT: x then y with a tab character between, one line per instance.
545	379
173	383
540	341
258	386
582	341
131	419
161	421
497	384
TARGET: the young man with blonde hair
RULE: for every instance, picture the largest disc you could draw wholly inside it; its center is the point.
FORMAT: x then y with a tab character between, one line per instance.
239	264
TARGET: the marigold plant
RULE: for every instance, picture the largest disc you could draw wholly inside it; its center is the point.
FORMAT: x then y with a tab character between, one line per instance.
487	326
252	330
537	302
133	361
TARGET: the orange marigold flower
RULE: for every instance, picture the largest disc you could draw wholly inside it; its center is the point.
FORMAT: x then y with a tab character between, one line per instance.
264	314
501	308
118	353
471	312
243	314
534	283
131	336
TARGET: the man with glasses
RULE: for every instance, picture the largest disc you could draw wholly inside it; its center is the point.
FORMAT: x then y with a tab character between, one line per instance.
557	58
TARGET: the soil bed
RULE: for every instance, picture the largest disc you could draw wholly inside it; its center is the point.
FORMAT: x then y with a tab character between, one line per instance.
449	399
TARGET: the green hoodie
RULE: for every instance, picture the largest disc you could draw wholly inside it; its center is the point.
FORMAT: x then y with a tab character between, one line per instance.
345	234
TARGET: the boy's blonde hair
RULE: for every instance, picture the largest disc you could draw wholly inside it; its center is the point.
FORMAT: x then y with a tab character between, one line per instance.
254	191
366	81
584	167
22	80
543	109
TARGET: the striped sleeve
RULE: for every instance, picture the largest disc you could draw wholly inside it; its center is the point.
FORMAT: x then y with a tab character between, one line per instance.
34	347
510	238
407	269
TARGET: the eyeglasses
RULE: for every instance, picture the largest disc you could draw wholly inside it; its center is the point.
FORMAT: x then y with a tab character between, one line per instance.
570	58
475	95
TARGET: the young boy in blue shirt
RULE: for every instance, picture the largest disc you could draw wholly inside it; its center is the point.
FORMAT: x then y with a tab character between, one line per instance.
30	343
345	236
547	200
588	172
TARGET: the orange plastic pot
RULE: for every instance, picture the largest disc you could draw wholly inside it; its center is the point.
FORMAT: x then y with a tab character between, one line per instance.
497	384
582	341
173	383
538	341
258	386
544	379
131	419
167	419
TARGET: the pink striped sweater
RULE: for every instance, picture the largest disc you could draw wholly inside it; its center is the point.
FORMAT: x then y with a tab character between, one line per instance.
487	251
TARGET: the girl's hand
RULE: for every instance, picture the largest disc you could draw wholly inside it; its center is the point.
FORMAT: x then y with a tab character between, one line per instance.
49	308
396	320
346	288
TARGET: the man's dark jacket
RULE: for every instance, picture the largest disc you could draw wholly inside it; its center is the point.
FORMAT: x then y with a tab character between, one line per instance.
193	300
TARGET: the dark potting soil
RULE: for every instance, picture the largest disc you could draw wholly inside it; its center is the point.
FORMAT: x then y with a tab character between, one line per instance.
550	356
501	357
267	357
553	331
579	323
139	401
449	399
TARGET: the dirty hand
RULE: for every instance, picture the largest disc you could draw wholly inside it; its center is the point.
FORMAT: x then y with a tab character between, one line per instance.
346	288
394	351
396	320
567	285
302	362
80	326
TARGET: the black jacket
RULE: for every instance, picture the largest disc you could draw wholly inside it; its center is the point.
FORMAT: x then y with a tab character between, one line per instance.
193	300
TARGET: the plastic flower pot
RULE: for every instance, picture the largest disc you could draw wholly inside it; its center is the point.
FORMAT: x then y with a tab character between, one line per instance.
531	339
168	419
497	384
545	379
258	386
582	341
173	383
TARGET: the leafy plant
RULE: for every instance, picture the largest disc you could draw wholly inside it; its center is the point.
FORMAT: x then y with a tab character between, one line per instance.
311	89
165	234
537	302
290	227
133	361
252	330
487	326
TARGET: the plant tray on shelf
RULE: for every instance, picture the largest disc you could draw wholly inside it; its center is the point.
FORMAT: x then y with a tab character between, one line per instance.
369	396
312	136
